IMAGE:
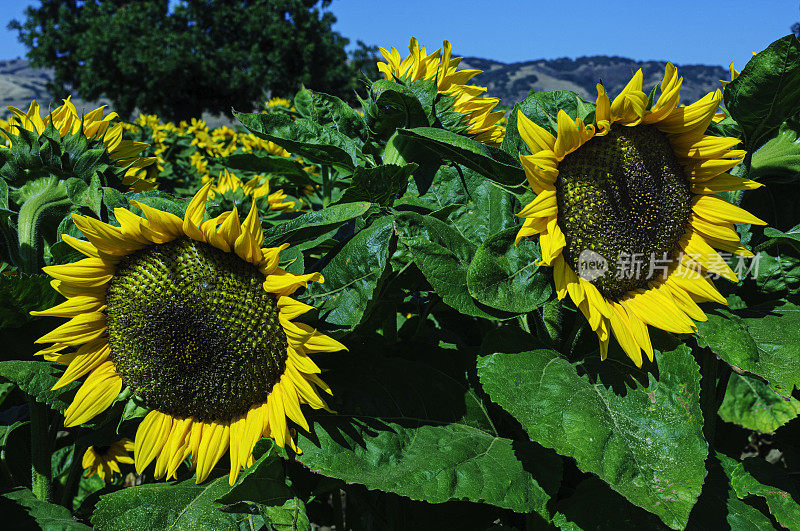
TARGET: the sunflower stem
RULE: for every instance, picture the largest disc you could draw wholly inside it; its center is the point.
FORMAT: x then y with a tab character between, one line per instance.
74	477
40	450
52	195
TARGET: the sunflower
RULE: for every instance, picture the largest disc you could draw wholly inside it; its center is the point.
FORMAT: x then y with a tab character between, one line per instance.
627	214
196	319
141	172
256	187
481	121
105	460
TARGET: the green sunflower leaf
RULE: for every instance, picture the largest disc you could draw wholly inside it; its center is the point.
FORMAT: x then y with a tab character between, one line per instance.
88	195
380	184
779	157
542	108
443	255
407	428
21	294
751	403
504	275
315	223
173	505
37	378
791	236
395	106
766	92
254	162
719	506
330	111
303	137
22	510
645	442
756	477
352	276
761	340
493	163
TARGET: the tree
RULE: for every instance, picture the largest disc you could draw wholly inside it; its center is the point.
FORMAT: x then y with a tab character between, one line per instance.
193	56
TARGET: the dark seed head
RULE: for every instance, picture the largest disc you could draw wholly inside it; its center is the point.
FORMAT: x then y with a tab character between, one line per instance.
193	332
625	197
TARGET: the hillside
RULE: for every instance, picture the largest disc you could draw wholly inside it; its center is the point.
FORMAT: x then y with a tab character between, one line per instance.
511	82
19	83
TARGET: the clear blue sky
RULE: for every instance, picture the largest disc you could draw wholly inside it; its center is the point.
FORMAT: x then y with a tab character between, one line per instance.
681	31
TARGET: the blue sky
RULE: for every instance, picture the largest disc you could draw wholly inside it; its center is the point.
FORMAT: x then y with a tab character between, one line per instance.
681	31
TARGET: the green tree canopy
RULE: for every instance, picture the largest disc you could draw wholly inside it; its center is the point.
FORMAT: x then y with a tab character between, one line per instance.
180	59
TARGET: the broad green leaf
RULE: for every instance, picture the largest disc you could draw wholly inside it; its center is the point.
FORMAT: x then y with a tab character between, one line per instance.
761	340
443	255
542	108
378	185
645	442
170	505
474	206
791	236
314	223
395	107
756	477
408	428
779	157
21	294
595	506
264	485
352	276
254	162
493	163
37	378
22	510
719	507
751	403
505	276
330	111
303	137
766	92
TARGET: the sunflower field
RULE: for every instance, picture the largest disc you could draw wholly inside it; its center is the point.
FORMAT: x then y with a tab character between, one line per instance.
425	313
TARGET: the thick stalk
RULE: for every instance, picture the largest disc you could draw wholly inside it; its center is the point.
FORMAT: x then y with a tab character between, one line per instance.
51	195
40	449
74	477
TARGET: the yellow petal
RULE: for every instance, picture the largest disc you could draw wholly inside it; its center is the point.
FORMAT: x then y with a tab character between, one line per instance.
90	272
717	209
98	392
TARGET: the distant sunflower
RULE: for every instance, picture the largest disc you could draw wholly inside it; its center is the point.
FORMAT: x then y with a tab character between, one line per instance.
635	187
256	187
196	318
482	122
125	153
105	460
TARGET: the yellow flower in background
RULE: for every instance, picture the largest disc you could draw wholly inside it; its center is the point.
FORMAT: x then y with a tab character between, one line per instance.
196	318
482	121
256	187
280	102
105	460
94	126
638	184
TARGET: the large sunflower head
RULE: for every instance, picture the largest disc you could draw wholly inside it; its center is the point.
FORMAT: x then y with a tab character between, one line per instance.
626	210
141	171
481	121
195	317
105	460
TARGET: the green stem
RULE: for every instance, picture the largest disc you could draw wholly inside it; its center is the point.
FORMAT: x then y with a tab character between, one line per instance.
74	477
51	195
40	450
